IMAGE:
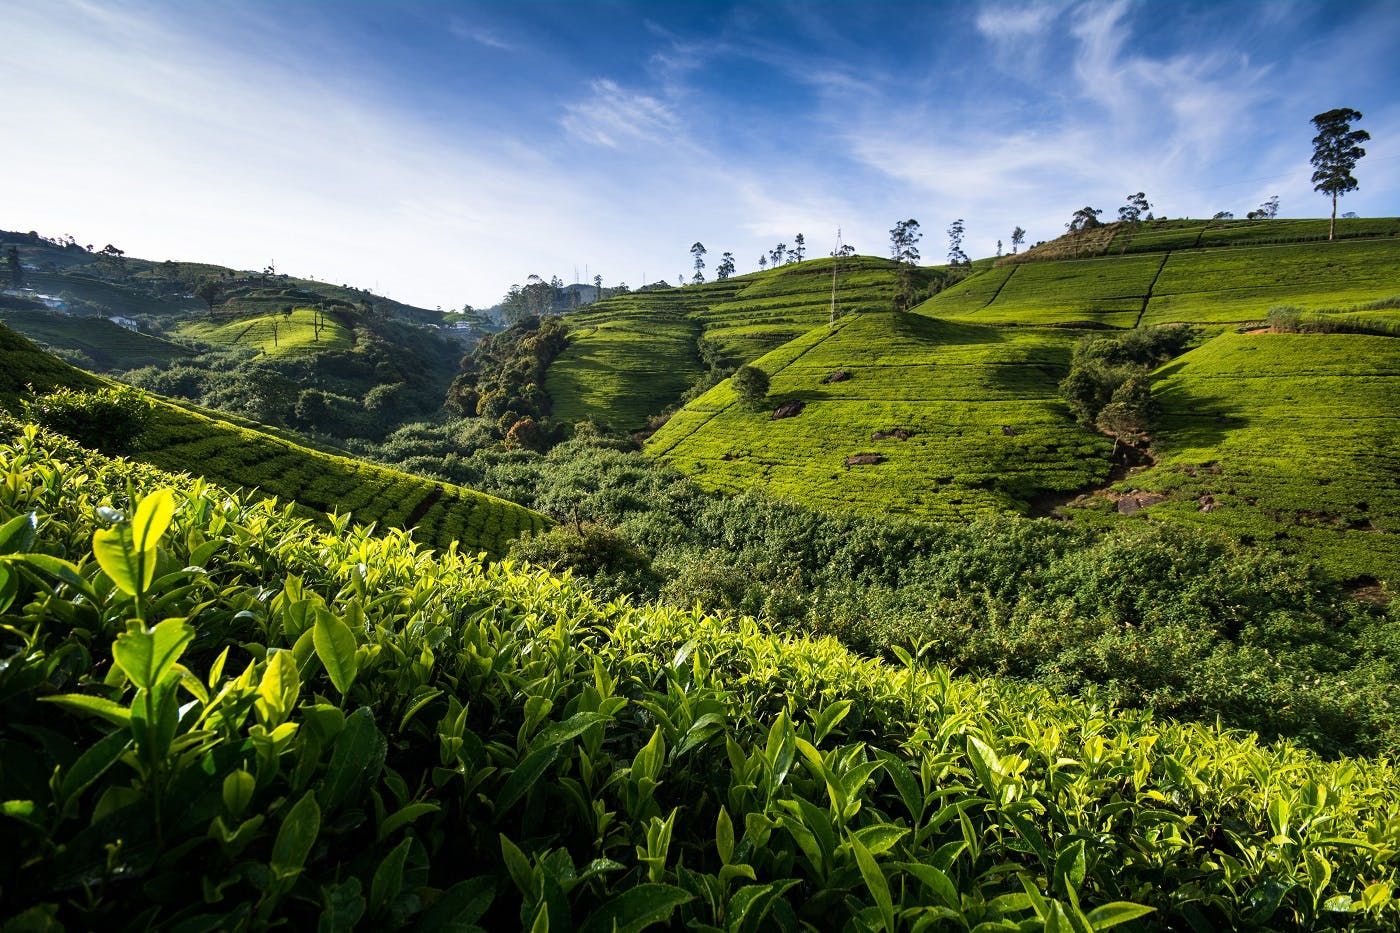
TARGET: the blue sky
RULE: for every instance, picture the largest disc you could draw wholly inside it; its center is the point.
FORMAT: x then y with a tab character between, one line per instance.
439	152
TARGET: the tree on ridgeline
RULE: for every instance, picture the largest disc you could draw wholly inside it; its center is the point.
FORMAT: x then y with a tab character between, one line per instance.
726	266
1223	215
998	249
1266	211
800	250
1086	218
779	254
904	250
697	251
598	288
1336	150
762	261
1135	209
15	267
956	256
751	385
1018	236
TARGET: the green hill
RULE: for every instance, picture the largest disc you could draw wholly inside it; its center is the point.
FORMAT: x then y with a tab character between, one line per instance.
632	356
952	419
351	728
274	333
1199	286
182	439
1287	440
105	345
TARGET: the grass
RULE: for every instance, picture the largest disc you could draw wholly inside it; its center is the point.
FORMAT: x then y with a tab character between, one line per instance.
986	427
634	355
273	333
107	345
1294	439
179	438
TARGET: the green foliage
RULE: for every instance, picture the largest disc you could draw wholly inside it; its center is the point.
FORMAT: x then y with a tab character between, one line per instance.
508	752
236	455
104	345
108	419
613	564
637	355
1283	439
501	378
750	385
964	419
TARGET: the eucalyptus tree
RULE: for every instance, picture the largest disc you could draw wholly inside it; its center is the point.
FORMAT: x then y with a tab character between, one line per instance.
1336	150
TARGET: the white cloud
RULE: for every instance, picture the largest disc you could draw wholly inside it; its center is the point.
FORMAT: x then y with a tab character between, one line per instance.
1005	22
612	116
481	35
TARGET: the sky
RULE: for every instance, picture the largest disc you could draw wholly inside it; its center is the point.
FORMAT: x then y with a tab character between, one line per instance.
439	152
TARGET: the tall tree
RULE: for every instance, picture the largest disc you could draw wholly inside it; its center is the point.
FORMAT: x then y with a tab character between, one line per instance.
1133	210
998	249
598	288
800	244
726	266
779	254
956	256
1336	150
697	252
762	261
904	250
1018	236
15	266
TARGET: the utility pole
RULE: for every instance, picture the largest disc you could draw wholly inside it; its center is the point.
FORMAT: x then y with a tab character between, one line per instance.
835	265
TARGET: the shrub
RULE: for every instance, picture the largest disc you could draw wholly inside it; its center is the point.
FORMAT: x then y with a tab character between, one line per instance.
751	385
109	420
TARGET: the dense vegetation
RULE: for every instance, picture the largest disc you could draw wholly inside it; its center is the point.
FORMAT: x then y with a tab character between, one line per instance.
181	438
1173	618
219	715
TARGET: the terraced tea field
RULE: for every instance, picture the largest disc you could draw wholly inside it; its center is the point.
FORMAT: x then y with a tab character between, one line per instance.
1288	440
273	333
179	438
632	356
107	345
931	419
1198	286
110	296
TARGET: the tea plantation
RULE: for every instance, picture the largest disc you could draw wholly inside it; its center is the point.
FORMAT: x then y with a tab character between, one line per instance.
1198	286
634	355
1288	440
952	418
103	344
181	438
221	716
273	332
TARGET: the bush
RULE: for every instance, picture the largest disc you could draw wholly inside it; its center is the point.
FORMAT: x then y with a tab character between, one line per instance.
751	385
109	420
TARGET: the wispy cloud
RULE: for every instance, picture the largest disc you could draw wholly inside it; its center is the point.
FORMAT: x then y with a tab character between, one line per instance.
481	35
1009	22
612	116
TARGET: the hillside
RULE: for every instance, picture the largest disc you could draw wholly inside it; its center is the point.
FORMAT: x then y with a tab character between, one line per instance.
930	418
103	345
589	766
955	408
181	439
634	355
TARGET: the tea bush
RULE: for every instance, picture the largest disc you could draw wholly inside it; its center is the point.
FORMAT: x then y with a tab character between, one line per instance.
219	716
